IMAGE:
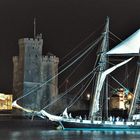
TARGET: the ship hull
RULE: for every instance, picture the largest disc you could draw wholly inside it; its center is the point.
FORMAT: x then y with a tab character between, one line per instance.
91	126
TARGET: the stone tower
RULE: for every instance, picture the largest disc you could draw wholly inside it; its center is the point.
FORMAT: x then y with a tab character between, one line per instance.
30	70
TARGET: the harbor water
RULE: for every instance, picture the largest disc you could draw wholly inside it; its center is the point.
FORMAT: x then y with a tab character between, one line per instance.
34	134
19	129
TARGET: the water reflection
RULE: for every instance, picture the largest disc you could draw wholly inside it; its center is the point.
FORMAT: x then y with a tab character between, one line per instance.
66	135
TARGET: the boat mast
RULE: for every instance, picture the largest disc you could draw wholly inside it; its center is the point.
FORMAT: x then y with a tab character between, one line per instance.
135	105
94	112
34	28
105	90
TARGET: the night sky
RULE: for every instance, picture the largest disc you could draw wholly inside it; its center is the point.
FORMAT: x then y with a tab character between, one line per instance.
63	23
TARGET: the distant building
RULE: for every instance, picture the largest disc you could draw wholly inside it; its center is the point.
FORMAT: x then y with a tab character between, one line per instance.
117	101
30	70
121	100
6	101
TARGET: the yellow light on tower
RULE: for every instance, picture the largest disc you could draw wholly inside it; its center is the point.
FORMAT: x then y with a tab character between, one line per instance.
129	96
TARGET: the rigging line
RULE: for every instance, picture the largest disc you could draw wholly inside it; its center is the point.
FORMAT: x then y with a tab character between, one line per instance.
115	36
73	57
110	63
76	96
82	92
128	76
96	63
63	94
95	66
112	39
24	91
110	86
34	87
71	88
81	42
76	55
74	70
119	83
73	100
41	85
108	97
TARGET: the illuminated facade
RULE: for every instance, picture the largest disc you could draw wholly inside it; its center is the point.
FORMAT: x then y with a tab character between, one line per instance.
121	100
5	102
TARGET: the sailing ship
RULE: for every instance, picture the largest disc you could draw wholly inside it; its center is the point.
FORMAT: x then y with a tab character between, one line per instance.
130	47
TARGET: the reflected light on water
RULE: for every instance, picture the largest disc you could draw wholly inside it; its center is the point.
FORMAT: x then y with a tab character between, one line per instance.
34	134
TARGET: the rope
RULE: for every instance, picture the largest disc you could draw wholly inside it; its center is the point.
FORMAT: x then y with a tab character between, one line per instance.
81	93
74	70
79	52
108	96
71	88
119	83
128	75
115	36
77	46
25	92
112	39
76	95
38	87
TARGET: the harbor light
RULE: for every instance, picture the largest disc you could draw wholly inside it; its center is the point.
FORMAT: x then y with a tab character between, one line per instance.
88	96
129	96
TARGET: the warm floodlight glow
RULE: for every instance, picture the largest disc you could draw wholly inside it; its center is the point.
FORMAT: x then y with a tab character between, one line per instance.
88	96
5	101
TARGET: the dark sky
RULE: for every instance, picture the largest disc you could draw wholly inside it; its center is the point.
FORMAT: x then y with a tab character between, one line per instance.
63	23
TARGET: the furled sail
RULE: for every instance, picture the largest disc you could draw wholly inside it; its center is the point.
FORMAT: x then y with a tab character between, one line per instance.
41	113
103	76
130	45
102	65
51	117
15	105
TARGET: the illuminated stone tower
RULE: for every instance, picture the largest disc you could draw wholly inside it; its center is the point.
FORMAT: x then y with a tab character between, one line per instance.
31	69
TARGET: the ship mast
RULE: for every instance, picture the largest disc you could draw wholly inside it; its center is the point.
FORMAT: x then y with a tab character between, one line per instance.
94	112
34	28
135	108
